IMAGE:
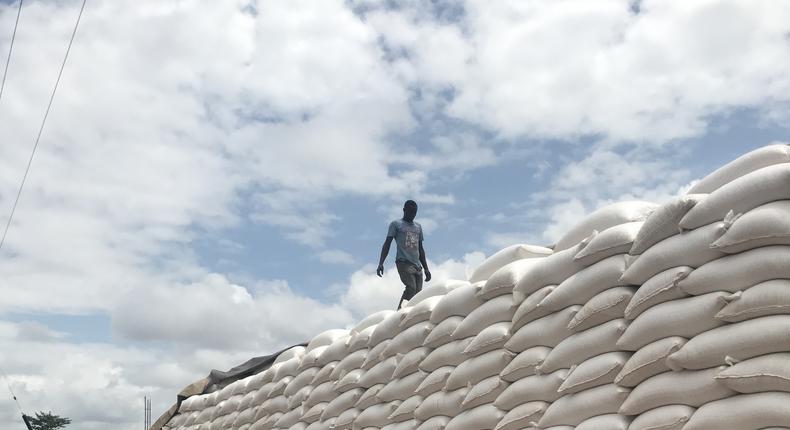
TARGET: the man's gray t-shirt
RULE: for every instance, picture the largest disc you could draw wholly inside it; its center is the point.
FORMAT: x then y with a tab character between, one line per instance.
408	236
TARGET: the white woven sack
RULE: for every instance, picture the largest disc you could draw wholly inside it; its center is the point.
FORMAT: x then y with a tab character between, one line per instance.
288	419
504	279
551	270
572	409
490	338
351	380
739	271
663	222
314	413
325	339
301	380
524	364
376	416
277	390
521	416
649	361
660	288
691	248
585	284
409	363
318	425
335	351
459	302
672	417
409	339
484	417
350	362
368	398
389	327
485	391
765	225
441	403
765	373
603	218
341	403
747	163
478	368
371	320
323	392
743	412
606	306
605	422
376	355
741	195
288	354
299	397
360	340
230	405
346	419
504	257
449	354
740	341
547	331
583	345
399	389
612	241
271	420
766	298
323	375
686	317
434	423
420	312
599	370
531	388
244	417
311	358
378	374
405	425
528	310
685	387
437	289
442	333
435	381
405	411
496	310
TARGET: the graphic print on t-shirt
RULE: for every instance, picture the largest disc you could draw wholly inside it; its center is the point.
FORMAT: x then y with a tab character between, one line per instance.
412	239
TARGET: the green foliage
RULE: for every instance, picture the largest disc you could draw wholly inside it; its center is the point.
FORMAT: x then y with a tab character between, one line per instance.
48	421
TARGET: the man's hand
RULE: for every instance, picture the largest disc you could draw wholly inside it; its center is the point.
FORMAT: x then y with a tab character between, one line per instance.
427	276
380	270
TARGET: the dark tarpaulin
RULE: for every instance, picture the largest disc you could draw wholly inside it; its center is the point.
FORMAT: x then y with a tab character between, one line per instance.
217	379
249	367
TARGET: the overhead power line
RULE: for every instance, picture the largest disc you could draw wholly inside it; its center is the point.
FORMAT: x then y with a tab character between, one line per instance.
43	123
10	48
33	153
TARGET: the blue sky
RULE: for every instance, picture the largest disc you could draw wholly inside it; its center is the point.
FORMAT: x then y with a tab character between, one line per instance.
216	178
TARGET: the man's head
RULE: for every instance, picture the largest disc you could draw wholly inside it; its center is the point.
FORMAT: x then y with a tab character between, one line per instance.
409	210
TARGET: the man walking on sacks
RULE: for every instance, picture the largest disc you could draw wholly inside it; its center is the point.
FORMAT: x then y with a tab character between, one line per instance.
410	258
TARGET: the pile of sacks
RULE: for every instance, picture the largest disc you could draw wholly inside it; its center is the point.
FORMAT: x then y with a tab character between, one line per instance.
642	317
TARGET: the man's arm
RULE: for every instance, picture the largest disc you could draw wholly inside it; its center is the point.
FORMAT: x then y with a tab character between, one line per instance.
385	249
424	263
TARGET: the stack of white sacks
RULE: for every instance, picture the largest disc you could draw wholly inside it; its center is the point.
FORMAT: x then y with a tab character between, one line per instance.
642	317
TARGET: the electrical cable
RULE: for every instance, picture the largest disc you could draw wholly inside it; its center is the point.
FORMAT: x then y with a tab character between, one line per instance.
41	129
33	153
10	48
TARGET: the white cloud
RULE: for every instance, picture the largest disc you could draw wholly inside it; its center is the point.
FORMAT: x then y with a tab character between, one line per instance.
607	176
658	75
336	256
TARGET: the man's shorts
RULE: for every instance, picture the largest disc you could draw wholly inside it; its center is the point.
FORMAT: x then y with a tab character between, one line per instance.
411	276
